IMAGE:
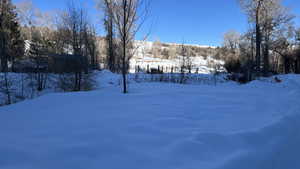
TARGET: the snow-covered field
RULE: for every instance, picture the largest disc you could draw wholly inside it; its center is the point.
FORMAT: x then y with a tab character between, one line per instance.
156	126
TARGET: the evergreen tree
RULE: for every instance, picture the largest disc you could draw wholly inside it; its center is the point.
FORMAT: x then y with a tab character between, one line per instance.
11	43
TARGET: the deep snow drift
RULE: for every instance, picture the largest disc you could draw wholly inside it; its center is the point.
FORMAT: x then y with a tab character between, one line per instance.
156	126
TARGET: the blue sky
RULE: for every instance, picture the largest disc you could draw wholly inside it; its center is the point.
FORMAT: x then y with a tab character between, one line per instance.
194	21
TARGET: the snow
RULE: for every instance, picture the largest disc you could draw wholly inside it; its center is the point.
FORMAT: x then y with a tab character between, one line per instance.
144	58
204	66
149	44
156	125
23	87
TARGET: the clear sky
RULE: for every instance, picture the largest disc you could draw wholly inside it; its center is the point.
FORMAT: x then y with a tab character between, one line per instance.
194	21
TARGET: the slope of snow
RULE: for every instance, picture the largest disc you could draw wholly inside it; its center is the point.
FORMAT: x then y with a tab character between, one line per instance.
144	59
204	66
22	86
150	43
156	126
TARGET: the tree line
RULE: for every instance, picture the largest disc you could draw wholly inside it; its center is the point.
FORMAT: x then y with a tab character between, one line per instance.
270	46
35	47
65	43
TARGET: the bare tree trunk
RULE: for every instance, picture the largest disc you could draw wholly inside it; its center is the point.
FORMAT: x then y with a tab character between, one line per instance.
76	81
79	81
258	36
124	46
125	14
111	54
297	66
7	88
258	45
266	59
266	53
4	66
3	57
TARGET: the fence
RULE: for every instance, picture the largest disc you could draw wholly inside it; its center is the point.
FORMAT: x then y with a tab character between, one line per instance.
206	79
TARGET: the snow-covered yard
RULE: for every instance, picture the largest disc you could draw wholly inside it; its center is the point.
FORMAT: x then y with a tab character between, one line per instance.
156	126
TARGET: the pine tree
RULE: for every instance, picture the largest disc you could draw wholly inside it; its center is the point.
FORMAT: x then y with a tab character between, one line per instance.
11	43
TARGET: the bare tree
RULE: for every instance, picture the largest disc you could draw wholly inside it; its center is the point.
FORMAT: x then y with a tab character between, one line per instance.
231	40
90	46
230	51
183	62
283	45
231	44
128	16
156	49
275	18
77	44
297	53
253	9
30	16
26	12
215	70
111	44
267	15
